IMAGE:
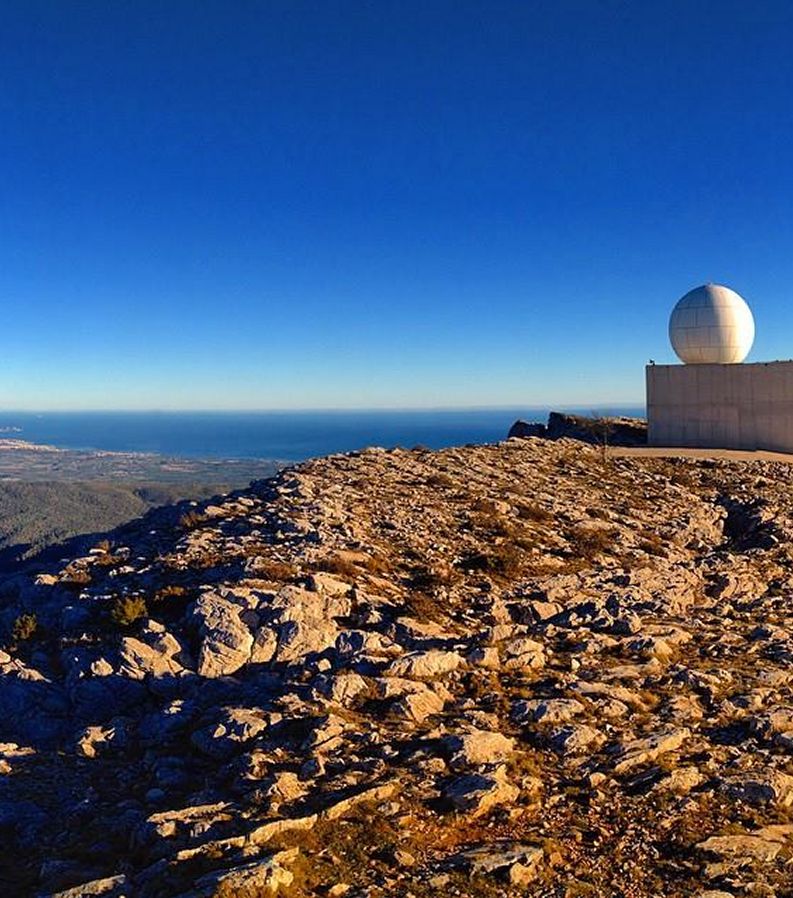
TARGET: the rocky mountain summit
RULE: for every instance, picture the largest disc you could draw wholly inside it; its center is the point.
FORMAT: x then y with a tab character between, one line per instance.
518	669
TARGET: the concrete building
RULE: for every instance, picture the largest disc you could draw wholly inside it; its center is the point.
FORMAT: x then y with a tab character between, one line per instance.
721	406
713	401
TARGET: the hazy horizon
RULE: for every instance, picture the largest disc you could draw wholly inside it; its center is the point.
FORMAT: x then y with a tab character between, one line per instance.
281	434
594	406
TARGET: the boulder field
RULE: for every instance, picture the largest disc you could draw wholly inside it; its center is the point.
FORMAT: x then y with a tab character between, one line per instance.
527	668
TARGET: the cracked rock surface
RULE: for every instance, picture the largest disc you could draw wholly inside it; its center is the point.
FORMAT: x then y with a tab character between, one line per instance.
513	669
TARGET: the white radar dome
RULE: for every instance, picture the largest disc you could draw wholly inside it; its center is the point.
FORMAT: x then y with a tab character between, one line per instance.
711	325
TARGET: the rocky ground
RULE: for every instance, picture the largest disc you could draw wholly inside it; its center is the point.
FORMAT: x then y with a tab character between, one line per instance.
526	668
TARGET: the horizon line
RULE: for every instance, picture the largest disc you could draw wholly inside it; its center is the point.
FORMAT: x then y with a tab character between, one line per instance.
568	407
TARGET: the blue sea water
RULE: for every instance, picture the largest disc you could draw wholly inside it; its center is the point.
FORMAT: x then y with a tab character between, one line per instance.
291	436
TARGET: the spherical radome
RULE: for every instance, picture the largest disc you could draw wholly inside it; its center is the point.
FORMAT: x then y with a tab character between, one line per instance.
711	325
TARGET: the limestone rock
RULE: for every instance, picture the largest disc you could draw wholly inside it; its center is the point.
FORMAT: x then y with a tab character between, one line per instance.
344	687
742	846
592	654
345	805
307	621
179	824
266	876
110	887
424	665
551	710
477	793
226	640
418	706
96	740
479	747
523	654
156	653
574	739
644	751
232	729
514	862
771	787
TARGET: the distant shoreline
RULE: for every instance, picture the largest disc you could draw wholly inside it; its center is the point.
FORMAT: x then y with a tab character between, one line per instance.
8	445
24	461
292	436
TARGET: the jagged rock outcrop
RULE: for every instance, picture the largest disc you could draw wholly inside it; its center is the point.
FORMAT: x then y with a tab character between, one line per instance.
523	668
614	430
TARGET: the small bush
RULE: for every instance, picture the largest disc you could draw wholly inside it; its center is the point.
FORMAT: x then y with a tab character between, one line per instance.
107	560
432	577
272	569
376	564
589	542
192	519
422	606
25	627
440	480
75	577
652	544
504	560
336	564
170	591
127	609
493	524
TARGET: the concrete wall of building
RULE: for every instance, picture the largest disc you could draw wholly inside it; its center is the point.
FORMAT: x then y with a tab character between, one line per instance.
721	406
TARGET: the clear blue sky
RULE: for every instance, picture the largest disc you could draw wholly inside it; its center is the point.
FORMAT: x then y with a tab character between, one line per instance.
411	203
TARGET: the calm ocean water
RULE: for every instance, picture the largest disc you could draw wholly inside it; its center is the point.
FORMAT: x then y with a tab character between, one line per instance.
282	435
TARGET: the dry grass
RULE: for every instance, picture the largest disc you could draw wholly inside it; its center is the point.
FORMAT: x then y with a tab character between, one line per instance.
275	570
338	566
589	542
75	577
192	519
440	481
503	560
24	627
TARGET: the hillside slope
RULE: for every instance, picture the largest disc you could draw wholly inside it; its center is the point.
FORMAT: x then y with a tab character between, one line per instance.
39	514
495	670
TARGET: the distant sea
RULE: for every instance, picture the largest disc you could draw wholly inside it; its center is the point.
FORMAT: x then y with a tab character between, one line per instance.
288	436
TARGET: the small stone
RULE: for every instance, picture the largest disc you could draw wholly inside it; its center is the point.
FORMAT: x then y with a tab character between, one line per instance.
404	858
